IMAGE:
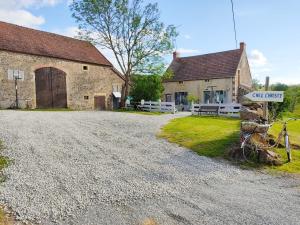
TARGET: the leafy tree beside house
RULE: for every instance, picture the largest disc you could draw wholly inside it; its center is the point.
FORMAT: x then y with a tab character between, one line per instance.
147	87
130	29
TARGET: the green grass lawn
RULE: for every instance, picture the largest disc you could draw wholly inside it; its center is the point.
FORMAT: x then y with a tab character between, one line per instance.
297	110
208	136
291	167
213	137
294	133
140	112
293	130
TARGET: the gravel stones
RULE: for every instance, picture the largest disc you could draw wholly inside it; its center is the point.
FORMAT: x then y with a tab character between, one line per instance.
110	168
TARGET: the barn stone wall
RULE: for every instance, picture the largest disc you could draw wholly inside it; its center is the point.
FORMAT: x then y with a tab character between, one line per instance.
97	80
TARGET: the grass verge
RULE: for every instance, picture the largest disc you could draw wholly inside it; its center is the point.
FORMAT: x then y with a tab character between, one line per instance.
5	219
294	134
140	112
208	136
214	136
3	160
287	167
293	130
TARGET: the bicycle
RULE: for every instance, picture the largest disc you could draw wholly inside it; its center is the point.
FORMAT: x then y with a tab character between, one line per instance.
255	148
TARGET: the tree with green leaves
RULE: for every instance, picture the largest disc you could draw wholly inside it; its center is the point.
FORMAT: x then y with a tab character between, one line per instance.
291	97
146	87
131	29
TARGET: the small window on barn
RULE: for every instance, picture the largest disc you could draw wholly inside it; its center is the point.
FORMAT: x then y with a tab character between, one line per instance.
86	97
85	68
180	82
207	80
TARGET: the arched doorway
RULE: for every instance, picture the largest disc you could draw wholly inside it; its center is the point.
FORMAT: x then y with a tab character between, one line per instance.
50	86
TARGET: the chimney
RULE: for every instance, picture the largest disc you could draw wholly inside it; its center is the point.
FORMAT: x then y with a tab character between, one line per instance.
175	55
242	46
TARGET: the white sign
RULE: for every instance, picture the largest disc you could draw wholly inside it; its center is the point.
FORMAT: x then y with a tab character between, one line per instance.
266	96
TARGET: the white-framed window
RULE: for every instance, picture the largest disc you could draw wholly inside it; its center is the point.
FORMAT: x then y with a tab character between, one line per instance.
218	96
85	68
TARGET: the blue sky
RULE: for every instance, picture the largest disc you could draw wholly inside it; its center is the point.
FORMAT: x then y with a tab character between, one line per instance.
269	28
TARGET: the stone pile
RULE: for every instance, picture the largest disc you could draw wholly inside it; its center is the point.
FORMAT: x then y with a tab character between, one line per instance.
253	123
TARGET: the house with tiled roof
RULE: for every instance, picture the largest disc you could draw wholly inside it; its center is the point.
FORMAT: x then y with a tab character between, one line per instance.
45	70
221	77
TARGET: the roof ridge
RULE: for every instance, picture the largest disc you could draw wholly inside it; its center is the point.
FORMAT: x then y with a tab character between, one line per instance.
207	66
212	53
42	31
16	38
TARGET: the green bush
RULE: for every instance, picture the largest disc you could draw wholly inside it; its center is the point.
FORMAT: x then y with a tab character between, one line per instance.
291	99
147	87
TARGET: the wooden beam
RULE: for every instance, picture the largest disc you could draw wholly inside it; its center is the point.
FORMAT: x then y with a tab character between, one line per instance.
265	108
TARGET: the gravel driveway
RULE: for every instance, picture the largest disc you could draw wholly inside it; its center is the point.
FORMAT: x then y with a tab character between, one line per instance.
109	168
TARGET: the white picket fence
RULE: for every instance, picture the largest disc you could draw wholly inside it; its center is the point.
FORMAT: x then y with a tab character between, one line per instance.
151	106
230	110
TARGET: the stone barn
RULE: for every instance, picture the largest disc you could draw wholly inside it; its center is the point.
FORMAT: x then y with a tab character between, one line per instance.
54	71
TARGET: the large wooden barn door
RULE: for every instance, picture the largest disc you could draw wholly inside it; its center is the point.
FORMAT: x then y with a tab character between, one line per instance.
51	90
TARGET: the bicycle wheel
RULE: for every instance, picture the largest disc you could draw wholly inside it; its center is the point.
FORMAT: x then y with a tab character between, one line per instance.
250	151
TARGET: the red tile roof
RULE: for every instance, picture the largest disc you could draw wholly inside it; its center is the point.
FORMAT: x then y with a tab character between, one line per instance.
29	41
208	66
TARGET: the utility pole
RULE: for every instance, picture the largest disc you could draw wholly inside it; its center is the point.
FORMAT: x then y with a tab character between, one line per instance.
265	106
17	77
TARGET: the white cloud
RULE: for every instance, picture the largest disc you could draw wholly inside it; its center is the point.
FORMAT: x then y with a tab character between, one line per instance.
186	51
259	64
19	4
257	59
16	11
69	31
21	17
188	37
